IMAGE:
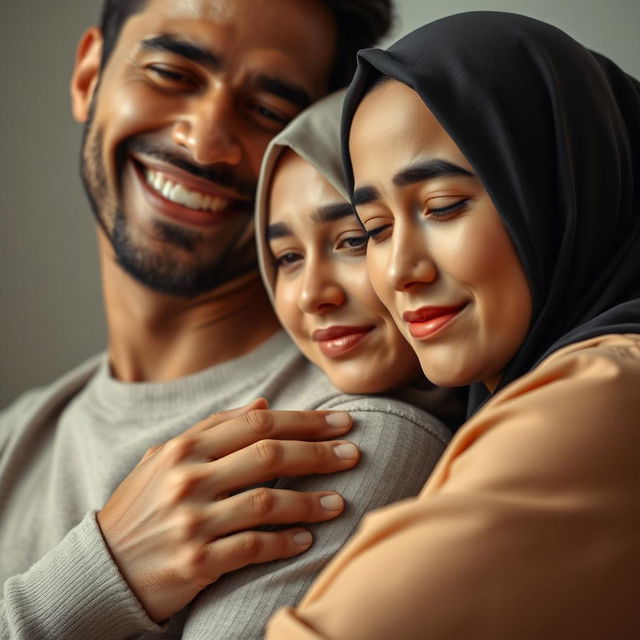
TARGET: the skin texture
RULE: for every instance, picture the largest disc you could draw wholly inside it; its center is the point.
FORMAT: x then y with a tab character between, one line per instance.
436	242
322	283
172	526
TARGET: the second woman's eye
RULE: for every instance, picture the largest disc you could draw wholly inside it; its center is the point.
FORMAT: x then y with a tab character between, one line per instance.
377	234
447	210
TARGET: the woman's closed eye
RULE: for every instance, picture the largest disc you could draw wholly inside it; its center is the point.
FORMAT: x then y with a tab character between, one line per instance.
447	209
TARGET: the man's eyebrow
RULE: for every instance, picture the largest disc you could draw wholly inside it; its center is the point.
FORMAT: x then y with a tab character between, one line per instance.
278	230
182	48
332	212
364	195
427	170
293	93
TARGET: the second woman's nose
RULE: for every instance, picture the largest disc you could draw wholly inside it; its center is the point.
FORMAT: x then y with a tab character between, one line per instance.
410	263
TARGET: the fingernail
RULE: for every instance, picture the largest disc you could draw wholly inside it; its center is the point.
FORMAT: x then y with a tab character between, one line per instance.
303	539
346	451
331	503
338	420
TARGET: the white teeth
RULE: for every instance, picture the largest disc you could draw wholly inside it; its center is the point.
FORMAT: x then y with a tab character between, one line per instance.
185	197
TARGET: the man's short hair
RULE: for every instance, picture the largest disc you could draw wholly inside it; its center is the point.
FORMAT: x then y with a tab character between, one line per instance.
360	24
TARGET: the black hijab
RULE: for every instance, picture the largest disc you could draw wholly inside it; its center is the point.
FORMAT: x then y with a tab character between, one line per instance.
553	132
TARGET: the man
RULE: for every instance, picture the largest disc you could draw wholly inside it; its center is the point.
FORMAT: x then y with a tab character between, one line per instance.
179	100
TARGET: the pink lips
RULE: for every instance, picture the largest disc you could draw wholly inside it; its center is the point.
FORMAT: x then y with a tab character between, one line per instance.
426	321
338	340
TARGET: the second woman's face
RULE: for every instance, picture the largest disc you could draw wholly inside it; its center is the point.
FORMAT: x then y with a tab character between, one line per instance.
322	295
438	256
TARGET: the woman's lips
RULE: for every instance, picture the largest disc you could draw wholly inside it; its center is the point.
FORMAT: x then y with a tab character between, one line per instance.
338	340
426	321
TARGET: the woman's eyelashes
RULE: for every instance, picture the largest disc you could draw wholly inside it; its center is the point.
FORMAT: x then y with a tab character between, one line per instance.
349	244
449	209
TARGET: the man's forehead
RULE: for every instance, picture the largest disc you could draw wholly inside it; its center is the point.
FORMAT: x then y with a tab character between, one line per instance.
220	11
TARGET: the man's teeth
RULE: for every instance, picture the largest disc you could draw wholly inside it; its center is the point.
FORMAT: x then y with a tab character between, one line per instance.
185	197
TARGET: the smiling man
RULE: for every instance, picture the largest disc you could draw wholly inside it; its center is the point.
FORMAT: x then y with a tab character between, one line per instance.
99	539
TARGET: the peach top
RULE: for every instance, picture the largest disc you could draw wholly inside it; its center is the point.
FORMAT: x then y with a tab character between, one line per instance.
529	527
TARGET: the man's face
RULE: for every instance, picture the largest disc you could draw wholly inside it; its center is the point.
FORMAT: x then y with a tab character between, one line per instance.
178	123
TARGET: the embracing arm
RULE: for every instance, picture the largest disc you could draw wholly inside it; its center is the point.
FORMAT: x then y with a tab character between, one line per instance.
400	446
74	592
527	528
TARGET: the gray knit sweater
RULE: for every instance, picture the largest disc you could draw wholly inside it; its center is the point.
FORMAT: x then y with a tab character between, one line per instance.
65	448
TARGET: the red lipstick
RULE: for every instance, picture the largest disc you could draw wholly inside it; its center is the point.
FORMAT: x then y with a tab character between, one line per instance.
426	321
337	340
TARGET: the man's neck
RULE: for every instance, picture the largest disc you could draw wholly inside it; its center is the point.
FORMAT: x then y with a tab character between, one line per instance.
154	337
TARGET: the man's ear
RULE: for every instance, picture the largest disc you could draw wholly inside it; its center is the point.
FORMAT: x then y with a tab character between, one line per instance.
86	73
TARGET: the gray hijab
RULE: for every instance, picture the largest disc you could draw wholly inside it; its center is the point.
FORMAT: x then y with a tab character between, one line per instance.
315	136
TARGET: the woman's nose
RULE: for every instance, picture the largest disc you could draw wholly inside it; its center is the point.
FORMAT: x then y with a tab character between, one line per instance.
320	292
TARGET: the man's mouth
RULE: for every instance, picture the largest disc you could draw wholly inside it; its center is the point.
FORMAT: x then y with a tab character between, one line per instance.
178	193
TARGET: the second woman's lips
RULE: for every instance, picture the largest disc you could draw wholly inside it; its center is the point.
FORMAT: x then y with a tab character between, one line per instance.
335	342
426	321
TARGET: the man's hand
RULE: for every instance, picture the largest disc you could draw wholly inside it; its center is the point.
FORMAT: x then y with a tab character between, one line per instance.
173	526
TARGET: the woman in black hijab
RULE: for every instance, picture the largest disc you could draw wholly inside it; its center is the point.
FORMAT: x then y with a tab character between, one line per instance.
495	163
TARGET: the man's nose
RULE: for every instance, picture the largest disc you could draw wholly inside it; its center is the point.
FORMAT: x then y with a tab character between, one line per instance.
208	128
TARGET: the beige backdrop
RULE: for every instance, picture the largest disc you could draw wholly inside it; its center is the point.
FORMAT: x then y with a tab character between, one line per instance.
51	313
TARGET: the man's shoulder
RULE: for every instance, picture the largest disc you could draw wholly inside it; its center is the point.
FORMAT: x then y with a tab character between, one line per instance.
61	389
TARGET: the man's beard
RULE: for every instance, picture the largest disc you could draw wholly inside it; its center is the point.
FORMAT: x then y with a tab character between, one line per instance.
160	267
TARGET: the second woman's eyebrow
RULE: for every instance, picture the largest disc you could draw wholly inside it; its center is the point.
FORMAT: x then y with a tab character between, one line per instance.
427	170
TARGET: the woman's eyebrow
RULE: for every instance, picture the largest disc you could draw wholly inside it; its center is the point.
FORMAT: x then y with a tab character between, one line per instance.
332	212
426	171
278	230
364	195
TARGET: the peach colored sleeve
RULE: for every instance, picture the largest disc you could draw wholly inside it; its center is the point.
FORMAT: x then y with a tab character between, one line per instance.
528	528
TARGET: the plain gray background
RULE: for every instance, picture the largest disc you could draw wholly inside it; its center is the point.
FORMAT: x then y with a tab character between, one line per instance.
51	317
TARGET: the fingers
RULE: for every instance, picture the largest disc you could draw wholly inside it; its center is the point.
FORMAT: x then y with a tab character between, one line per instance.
262	506
254	547
269	459
222	416
258	424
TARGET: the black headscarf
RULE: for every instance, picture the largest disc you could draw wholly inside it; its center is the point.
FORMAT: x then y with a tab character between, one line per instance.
553	132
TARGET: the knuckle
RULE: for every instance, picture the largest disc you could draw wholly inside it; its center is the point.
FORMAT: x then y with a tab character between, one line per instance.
251	545
192	563
178	449
188	522
267	452
260	422
261	501
181	483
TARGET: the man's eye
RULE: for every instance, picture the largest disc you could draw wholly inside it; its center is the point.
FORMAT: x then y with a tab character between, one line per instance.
266	112
170	77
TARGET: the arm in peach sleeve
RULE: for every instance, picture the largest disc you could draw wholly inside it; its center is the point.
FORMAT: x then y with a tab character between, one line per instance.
528	527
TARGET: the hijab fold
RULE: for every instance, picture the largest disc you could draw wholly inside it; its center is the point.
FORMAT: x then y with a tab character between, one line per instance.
553	132
315	136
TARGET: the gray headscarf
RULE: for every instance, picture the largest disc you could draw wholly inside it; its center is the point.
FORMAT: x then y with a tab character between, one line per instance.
315	136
